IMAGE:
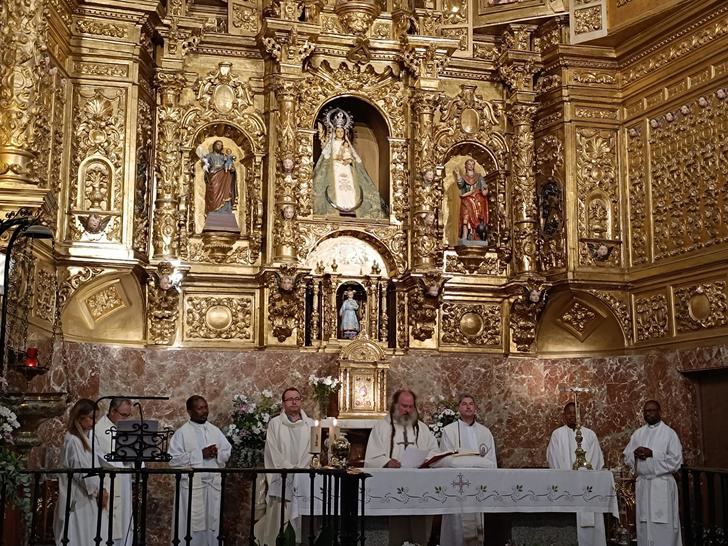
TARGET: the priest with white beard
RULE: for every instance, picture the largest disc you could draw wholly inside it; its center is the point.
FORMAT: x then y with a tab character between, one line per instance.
119	410
199	444
655	453
388	440
286	446
561	456
466	435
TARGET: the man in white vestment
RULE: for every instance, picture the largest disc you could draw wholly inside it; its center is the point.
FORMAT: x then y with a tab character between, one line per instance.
286	446
119	410
655	453
199	444
561	455
476	449
389	439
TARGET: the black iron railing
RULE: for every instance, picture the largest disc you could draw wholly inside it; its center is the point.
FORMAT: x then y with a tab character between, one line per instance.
331	503
704	500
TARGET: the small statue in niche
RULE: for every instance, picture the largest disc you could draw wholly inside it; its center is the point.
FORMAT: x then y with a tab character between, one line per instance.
340	181
473	205
349	316
220	187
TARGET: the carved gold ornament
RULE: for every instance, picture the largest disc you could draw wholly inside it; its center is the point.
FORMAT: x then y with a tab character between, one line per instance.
471	324
214	317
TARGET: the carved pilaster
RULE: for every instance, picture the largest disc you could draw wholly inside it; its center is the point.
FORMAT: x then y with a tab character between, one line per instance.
23	64
168	166
428	192
425	57
524	206
163	307
286	180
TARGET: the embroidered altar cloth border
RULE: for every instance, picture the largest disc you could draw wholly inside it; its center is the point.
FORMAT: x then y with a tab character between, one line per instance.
402	492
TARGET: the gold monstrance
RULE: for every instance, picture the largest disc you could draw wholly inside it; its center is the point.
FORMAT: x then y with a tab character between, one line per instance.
581	462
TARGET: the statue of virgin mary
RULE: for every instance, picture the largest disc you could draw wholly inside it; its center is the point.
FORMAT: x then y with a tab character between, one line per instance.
341	184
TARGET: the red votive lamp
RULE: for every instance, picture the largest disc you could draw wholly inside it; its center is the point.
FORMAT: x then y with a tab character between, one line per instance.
31	357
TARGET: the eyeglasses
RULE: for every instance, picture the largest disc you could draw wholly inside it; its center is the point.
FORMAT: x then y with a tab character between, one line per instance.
295	399
124	415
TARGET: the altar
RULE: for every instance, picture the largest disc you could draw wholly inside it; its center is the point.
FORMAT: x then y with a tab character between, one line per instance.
404	492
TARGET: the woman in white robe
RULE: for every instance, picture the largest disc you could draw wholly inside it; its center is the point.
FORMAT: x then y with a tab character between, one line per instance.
86	496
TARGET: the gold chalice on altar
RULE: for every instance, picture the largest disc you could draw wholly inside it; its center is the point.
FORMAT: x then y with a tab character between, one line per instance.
339	452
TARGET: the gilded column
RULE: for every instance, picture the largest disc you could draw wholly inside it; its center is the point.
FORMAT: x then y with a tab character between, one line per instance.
524	207
518	62
384	324
22	64
426	196
168	162
284	249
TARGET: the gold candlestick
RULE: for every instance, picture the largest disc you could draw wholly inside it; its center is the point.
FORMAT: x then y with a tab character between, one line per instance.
580	461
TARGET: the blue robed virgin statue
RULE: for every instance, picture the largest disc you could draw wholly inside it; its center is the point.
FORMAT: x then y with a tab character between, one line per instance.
341	184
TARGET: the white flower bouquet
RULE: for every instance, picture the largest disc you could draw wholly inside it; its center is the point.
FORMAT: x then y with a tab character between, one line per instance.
444	415
249	422
323	388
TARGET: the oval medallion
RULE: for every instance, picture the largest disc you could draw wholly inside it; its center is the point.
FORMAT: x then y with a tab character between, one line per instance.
219	317
224	98
469	121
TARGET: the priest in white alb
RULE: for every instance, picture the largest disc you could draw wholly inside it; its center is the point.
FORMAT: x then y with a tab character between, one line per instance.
119	410
561	456
286	446
199	444
655	453
388	441
476	449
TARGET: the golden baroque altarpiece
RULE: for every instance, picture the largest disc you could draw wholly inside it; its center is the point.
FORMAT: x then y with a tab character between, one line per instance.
550	175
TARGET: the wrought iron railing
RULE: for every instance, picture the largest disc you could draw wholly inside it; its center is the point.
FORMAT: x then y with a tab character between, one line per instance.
704	500
334	505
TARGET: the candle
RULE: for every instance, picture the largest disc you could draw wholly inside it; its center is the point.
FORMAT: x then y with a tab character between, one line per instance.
31	357
332	431
315	437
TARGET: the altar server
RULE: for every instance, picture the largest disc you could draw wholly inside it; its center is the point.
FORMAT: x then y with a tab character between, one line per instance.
86	495
466	435
119	409
655	453
561	455
199	444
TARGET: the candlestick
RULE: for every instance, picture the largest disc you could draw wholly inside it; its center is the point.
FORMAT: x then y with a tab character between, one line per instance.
332	431
315	437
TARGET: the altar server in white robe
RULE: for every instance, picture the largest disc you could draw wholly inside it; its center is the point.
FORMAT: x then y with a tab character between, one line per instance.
389	438
561	456
199	444
655	453
119	409
466	435
86	496
286	446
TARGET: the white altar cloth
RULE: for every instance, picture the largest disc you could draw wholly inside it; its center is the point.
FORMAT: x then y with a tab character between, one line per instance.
402	492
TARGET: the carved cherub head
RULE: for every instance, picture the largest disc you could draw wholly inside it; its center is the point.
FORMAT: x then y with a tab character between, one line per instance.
94	223
287	283
165	273
428	176
289	211
287	164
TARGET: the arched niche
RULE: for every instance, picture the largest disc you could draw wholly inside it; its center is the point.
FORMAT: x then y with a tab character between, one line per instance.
493	175
578	322
238	144
108	309
351	304
370	139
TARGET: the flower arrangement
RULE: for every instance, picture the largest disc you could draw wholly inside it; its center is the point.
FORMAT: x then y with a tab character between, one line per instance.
17	484
247	429
323	388
446	413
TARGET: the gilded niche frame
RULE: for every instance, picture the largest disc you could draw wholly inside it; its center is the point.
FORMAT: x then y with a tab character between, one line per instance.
224	106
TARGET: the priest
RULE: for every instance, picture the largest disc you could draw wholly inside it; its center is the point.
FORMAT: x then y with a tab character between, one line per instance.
655	453
476	449
560	455
286	446
199	444
119	410
390	437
